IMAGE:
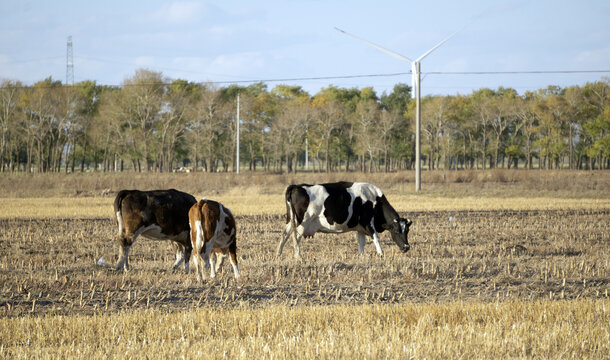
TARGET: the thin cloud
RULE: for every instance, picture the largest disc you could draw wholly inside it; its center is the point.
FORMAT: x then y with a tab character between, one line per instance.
594	57
179	12
239	63
221	31
144	61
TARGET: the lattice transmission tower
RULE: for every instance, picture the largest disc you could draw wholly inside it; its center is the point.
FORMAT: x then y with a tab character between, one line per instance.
69	63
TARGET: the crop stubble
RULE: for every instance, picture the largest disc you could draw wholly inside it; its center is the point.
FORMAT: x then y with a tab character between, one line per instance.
49	266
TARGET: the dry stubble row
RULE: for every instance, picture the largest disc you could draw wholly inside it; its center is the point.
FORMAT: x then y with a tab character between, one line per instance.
50	266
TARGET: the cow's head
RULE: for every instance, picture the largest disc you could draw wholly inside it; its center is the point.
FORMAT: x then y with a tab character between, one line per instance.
399	228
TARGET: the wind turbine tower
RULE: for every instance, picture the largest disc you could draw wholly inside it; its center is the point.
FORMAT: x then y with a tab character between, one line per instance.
415	84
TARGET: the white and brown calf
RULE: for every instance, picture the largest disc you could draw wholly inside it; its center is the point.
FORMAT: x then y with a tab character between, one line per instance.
212	233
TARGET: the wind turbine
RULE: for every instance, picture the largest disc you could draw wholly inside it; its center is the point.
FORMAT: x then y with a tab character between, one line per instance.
415	85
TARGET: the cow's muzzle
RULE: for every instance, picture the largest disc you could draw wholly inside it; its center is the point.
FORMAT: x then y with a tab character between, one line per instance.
405	248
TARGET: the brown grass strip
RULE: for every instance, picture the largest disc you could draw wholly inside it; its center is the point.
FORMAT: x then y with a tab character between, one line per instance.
514	329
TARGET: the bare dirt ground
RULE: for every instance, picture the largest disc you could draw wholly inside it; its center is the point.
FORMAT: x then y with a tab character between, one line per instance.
50	266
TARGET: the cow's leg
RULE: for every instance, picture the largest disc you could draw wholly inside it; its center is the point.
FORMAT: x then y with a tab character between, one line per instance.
297	240
179	254
209	246
233	258
198	261
123	263
285	235
127	241
198	265
122	241
188	250
183	253
376	242
212	259
220	257
124	246
361	241
198	245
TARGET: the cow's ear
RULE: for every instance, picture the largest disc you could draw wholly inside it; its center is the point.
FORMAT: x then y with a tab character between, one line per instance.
409	222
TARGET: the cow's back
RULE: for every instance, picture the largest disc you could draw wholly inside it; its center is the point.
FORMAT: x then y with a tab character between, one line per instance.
166	208
170	209
339	206
212	214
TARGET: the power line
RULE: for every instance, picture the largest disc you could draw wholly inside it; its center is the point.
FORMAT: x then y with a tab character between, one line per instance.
410	73
310	78
34	60
514	72
339	77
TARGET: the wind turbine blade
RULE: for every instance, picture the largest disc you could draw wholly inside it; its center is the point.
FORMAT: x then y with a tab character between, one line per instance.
438	45
391	53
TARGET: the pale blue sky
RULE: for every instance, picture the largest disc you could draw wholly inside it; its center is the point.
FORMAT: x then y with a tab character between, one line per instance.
246	40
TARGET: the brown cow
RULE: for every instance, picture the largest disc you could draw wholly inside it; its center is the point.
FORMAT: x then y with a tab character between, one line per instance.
156	215
212	227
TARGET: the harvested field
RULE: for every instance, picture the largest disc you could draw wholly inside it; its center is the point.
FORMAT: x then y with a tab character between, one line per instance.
502	264
50	266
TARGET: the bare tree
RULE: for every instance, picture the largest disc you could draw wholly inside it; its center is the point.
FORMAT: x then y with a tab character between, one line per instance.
292	121
10	92
388	122
141	105
366	119
501	104
575	102
527	123
434	118
484	113
205	127
328	118
41	105
176	112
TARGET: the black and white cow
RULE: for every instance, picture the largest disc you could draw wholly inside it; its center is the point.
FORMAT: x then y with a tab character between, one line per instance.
341	207
156	215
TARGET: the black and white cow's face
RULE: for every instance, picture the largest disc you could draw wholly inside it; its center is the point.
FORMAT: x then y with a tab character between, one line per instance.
399	229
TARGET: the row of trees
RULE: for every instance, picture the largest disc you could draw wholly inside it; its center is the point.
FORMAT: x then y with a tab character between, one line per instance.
151	123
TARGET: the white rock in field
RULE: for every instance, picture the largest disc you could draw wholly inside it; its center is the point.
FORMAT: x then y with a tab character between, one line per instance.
452	221
101	261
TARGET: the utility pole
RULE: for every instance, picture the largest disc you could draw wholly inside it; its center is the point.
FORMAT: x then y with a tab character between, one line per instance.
237	146
69	63
417	88
306	154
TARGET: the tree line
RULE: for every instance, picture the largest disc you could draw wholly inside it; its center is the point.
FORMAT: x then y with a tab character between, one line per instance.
151	123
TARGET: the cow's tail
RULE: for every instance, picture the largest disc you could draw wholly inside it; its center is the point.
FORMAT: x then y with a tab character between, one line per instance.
196	215
118	202
200	204
198	242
